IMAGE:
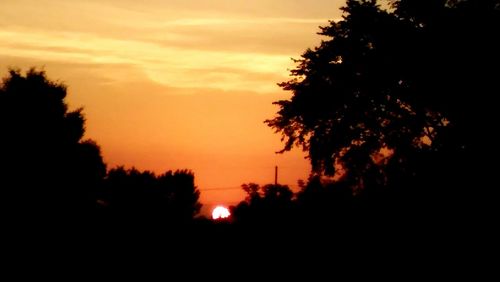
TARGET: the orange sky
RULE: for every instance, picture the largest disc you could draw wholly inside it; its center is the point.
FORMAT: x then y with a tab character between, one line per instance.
172	84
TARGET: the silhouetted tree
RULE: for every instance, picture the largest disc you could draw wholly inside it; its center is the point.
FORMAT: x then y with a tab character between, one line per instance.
408	82
349	97
252	190
45	165
269	204
133	195
128	193
182	194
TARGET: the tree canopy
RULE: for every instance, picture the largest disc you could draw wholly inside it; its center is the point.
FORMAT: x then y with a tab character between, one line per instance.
145	196
412	81
46	164
268	204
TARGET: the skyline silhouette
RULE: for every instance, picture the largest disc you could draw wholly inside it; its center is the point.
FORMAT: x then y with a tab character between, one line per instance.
394	121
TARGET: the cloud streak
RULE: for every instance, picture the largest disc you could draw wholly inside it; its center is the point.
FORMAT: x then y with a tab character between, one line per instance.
230	21
162	64
168	41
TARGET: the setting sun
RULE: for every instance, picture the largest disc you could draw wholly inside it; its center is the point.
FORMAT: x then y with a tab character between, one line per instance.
220	212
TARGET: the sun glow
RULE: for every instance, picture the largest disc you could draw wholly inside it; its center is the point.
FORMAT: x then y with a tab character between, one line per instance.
220	212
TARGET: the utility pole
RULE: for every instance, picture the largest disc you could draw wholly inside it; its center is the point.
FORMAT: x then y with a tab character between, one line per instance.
276	175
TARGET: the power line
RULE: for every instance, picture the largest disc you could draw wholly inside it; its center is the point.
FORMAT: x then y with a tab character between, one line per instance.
223	188
239	188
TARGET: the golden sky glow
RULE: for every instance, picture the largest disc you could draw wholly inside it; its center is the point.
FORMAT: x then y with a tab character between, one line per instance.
170	84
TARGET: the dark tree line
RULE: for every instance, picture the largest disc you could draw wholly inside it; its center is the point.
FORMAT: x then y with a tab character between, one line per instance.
132	194
49	172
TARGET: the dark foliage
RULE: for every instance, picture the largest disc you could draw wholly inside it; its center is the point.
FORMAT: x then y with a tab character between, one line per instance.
414	84
143	196
45	165
49	173
270	204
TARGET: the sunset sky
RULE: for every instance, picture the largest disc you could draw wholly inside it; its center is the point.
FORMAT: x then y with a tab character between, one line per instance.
173	84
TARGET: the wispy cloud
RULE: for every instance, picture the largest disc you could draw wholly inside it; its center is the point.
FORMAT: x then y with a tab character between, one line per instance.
166	65
231	21
168	41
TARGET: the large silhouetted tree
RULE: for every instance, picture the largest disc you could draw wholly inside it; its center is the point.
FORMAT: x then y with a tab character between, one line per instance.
45	165
413	82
